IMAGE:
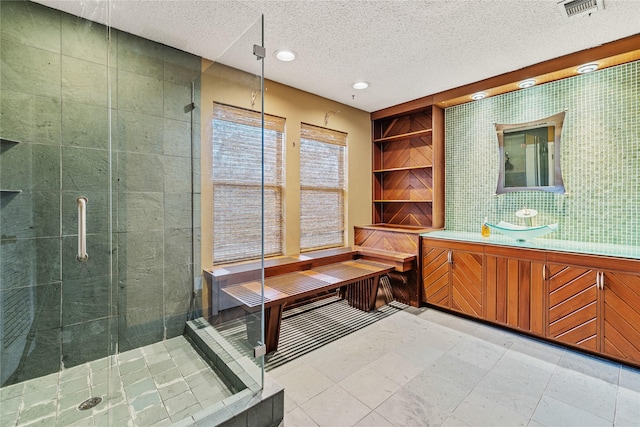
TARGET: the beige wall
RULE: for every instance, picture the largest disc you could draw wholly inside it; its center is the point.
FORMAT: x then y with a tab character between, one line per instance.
230	86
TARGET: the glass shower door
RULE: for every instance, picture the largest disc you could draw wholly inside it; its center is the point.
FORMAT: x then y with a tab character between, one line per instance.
234	196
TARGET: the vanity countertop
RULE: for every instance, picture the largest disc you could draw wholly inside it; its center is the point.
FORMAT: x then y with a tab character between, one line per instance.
606	249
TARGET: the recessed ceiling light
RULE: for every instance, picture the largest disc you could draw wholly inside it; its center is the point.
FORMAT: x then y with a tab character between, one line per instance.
479	95
526	83
587	68
285	55
360	85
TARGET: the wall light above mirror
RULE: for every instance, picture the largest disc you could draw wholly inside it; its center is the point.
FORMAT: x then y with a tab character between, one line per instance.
530	155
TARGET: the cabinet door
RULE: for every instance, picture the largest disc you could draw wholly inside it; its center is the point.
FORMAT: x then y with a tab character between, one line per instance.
515	293
435	276
621	327
466	282
572	301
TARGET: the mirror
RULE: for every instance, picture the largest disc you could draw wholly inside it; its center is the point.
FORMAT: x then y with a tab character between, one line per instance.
530	155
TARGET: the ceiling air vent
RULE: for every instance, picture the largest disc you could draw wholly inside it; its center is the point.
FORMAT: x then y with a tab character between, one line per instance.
573	8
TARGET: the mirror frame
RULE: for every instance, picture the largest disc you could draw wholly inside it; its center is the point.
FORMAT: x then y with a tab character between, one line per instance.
556	120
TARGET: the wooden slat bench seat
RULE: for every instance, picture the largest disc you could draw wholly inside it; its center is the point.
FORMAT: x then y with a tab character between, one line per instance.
222	276
358	277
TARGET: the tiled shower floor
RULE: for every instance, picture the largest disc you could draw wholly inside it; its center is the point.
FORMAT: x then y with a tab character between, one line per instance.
159	384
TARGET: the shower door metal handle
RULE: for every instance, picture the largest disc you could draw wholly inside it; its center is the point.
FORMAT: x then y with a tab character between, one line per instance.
82	229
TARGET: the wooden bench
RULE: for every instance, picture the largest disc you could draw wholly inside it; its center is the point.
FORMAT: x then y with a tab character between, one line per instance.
360	278
287	279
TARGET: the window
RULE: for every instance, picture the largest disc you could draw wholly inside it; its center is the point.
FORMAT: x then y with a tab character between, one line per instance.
237	177
322	187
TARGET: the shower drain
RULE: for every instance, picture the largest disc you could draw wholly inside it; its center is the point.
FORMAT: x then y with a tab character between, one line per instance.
89	403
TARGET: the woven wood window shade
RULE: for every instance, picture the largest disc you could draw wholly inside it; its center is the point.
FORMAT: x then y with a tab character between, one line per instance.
237	193
322	187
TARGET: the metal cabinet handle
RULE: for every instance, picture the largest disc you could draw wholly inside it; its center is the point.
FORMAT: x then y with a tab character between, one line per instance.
544	272
82	229
449	260
600	280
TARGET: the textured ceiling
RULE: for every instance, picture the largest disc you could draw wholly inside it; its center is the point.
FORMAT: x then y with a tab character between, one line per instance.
404	49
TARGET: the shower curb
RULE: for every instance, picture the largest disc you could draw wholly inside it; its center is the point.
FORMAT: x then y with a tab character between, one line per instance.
251	405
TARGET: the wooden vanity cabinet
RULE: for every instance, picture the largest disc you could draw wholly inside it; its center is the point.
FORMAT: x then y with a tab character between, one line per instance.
452	276
588	302
515	288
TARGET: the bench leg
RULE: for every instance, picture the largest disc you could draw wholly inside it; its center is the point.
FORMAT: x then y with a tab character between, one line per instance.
253	328
362	294
272	320
373	293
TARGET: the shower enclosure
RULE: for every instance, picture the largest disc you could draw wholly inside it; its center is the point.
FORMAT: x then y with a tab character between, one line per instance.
100	223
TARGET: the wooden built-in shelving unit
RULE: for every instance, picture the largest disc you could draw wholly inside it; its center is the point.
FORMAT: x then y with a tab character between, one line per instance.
408	187
408	168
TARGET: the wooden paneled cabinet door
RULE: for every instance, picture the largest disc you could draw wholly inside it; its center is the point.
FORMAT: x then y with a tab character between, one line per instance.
596	308
621	315
466	282
436	288
572	305
515	288
452	278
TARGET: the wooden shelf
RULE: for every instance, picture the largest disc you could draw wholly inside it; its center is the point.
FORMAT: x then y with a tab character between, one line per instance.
402	201
397	227
8	141
6	191
406	168
403	136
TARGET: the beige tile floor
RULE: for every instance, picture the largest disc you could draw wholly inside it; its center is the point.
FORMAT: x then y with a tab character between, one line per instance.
418	367
158	385
422	367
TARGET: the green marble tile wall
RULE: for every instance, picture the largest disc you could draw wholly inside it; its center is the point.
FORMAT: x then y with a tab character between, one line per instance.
600	158
56	72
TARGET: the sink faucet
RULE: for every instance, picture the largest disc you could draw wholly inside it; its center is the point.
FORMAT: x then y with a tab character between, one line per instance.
527	214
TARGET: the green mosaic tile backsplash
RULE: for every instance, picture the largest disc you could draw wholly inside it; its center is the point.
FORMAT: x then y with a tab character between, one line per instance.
600	158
